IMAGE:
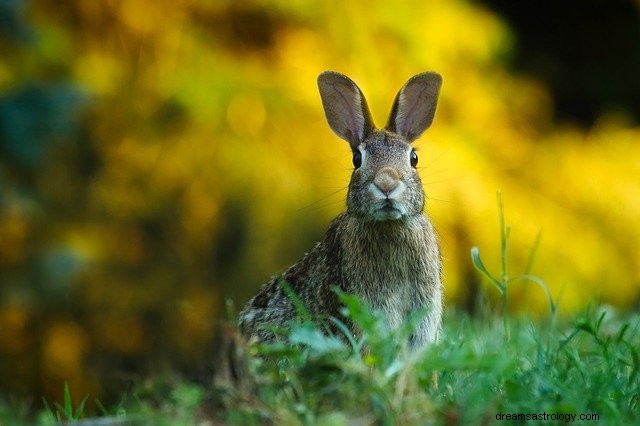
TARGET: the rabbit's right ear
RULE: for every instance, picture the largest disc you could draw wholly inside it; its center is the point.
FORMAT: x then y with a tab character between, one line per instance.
345	107
415	105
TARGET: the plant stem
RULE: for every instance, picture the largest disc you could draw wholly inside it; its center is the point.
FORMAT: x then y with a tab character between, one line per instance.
504	281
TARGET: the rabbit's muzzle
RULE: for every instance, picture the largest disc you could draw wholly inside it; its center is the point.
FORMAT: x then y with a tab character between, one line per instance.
386	189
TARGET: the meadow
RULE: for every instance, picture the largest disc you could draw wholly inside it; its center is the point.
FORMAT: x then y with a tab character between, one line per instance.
585	369
486	369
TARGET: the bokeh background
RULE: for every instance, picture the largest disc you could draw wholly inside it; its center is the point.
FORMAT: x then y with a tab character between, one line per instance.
158	158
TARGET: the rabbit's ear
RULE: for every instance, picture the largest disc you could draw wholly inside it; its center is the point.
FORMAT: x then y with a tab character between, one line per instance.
345	107
415	106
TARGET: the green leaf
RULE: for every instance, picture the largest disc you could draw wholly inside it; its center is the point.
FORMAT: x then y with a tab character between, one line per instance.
479	265
68	405
301	308
315	339
540	282
347	333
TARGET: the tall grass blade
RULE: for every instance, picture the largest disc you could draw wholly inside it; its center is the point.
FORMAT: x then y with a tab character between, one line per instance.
479	265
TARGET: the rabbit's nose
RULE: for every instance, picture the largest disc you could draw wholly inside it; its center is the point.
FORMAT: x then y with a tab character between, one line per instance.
386	180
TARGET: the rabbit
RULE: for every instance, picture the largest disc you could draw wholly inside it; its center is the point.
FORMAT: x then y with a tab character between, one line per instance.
383	248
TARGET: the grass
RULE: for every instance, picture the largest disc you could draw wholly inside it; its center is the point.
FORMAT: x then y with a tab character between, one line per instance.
588	365
503	281
483	371
65	411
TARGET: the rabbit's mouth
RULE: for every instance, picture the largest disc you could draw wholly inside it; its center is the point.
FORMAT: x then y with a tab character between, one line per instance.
388	211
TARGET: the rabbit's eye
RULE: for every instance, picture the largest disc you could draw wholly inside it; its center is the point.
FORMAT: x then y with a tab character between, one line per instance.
357	159
413	158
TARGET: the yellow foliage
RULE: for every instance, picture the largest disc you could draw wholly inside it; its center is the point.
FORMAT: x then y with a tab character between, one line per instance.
215	168
253	130
65	346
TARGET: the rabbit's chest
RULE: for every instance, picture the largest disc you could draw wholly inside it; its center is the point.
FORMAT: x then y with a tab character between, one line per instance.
395	288
394	267
397	302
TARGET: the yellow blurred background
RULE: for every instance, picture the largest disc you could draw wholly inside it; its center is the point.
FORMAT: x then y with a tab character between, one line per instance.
160	157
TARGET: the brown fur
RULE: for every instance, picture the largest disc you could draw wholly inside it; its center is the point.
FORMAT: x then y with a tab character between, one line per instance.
383	248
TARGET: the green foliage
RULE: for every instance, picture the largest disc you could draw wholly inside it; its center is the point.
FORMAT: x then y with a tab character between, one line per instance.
587	365
65	412
503	281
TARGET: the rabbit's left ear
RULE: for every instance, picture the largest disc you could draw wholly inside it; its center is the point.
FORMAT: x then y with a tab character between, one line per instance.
415	106
345	107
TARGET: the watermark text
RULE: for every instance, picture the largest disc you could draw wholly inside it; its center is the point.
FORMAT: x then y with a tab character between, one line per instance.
544	416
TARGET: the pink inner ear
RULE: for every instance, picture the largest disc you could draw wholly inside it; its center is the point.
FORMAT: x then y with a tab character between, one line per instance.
409	108
345	107
403	118
353	116
415	105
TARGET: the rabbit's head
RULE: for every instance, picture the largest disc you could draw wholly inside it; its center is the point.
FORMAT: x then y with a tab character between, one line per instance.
385	184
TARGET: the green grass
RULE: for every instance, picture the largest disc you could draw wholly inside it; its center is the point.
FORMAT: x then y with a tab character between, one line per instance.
65	411
588	365
484	367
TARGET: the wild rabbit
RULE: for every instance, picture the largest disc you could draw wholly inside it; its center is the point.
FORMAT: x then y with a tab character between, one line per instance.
383	248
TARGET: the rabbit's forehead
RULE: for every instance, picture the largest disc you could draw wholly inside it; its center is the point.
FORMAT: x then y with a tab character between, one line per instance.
386	146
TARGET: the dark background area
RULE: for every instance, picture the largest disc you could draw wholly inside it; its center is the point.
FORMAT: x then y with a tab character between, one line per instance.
587	53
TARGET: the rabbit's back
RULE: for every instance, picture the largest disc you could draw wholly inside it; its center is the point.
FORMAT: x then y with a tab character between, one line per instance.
308	279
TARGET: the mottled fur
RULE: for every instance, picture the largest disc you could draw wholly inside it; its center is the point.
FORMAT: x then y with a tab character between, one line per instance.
383	248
